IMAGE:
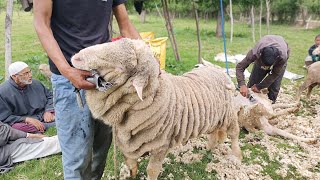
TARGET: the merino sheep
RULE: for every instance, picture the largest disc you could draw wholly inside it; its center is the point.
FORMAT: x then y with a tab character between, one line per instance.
256	115
153	111
312	79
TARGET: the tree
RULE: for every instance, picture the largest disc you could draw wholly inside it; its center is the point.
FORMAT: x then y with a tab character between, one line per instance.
195	10
170	29
268	16
8	24
231	20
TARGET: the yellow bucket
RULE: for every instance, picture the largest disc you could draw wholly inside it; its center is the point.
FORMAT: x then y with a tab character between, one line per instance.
158	47
147	35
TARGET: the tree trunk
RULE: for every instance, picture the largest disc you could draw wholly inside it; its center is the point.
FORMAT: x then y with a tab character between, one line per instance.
252	24
308	21
219	25
170	29
260	20
158	11
304	13
143	16
8	23
198	32
268	16
231	21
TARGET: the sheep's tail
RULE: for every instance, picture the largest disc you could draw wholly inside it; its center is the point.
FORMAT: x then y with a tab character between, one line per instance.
115	162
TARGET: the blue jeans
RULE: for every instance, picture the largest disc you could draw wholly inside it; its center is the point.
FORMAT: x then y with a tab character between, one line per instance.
84	141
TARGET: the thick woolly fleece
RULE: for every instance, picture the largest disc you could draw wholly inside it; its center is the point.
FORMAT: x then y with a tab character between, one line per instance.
174	108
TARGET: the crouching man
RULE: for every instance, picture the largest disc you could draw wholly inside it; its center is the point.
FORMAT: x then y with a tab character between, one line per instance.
25	103
270	56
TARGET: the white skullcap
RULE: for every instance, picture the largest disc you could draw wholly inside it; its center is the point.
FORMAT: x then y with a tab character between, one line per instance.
16	67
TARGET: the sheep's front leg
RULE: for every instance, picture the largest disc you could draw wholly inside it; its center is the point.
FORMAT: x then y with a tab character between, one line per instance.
133	166
155	164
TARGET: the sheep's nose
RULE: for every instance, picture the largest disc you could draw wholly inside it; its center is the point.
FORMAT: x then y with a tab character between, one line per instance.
75	57
76	60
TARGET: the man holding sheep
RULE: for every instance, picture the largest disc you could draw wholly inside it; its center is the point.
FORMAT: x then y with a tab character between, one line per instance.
64	28
270	56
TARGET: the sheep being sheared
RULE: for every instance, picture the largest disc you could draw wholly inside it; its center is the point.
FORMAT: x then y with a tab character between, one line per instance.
256	115
154	111
312	79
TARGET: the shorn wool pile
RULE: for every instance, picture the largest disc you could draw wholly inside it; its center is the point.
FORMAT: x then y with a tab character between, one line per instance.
153	111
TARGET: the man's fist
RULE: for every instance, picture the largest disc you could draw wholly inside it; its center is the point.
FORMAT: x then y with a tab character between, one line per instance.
244	90
255	89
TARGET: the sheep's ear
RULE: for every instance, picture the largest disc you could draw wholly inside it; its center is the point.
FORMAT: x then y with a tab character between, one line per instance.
138	84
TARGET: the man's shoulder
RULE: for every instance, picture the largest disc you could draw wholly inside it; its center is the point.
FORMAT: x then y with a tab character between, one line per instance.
4	86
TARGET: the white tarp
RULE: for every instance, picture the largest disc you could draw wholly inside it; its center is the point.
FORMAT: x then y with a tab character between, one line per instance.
239	57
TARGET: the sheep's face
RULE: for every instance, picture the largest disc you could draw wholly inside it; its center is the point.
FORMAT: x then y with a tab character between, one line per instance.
118	61
260	106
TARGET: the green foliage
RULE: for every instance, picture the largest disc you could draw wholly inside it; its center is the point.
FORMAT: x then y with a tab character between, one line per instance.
26	47
286	10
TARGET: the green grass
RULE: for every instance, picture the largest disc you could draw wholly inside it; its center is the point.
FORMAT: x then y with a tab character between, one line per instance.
26	47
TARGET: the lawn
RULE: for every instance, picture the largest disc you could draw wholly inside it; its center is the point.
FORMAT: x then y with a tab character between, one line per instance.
26	47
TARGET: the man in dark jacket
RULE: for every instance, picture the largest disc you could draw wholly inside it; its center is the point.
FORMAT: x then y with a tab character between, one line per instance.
25	103
270	56
17	146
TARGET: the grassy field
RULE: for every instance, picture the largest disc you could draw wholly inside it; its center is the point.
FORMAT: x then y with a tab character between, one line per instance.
26	47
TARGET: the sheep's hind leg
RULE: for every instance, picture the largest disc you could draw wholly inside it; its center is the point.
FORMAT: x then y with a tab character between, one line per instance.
155	164
216	137
233	132
133	166
310	89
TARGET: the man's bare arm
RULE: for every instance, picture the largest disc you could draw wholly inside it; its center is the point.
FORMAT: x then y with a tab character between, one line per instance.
42	19
125	26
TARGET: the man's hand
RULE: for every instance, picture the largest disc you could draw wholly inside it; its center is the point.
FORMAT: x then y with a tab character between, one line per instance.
48	117
36	123
255	89
244	91
78	78
40	136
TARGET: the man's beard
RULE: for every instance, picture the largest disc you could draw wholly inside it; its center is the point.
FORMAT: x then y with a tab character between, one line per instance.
26	82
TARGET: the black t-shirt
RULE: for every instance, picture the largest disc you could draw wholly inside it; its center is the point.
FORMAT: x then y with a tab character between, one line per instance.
77	24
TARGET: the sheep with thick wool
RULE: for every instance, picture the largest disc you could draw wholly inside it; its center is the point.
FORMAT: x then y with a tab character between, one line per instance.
153	111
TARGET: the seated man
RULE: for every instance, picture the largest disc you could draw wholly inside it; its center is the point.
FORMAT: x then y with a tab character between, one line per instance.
313	52
17	146
269	58
25	103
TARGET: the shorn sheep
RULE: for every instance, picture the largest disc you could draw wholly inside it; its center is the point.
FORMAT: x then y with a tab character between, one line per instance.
153	111
255	115
312	79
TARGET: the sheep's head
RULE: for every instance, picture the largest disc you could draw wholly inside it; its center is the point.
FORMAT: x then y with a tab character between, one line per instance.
118	61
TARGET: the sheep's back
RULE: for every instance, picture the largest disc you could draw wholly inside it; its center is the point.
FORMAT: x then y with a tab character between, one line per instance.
182	107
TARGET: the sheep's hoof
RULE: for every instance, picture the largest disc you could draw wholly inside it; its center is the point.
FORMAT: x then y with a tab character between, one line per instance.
133	171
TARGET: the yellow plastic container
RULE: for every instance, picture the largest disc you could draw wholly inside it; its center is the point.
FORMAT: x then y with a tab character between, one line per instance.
147	35
158	47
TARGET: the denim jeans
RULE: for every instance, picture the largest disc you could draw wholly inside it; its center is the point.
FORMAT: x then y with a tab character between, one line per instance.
84	141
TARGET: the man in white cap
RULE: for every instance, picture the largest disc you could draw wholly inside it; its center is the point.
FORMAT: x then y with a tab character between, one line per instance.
25	103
